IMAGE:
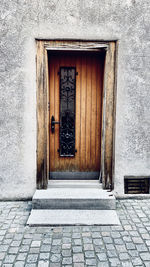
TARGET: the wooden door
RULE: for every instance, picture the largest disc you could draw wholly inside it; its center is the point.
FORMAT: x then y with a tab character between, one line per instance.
87	71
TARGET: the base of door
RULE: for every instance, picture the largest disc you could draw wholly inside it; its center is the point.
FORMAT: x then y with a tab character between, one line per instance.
74	175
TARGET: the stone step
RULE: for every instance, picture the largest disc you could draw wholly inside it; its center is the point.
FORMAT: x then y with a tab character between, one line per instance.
74	198
74	184
72	217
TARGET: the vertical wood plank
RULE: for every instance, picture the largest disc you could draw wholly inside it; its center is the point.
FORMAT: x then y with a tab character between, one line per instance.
56	107
78	113
93	114
88	113
83	109
62	160
99	109
52	113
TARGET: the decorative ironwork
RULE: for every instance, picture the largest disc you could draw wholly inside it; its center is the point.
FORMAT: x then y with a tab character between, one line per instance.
67	111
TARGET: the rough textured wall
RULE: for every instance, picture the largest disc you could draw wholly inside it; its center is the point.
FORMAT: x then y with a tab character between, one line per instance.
22	21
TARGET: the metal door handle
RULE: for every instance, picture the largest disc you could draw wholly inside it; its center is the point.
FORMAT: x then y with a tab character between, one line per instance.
53	122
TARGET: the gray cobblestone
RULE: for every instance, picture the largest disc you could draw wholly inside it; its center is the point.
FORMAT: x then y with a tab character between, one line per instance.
89	254
77	249
91	262
55	258
67	261
126	245
79	257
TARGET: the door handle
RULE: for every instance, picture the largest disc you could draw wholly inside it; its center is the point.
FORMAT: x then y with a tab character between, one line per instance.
53	122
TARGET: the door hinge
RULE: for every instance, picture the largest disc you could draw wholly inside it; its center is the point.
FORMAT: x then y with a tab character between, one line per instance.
48	106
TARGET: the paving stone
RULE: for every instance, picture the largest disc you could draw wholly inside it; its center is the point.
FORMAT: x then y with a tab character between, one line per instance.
32	258
55	258
79	264
66	253
112	253
114	262
102	256
91	262
13	250
35	243
44	256
77	249
107	240
24	248
103	264
76	235
97	242
79	257
66	240
34	250
110	247
56	249
54	264
77	242
124	256
45	248
56	242
87	240
88	247
141	248
130	246
89	254
31	265
137	240
66	246
19	264
145	256
136	261
2	255
67	261
127	264
118	241
133	253
22	256
9	259
120	248
43	263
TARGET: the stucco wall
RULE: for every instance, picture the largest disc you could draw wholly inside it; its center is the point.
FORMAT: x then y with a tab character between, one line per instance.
22	21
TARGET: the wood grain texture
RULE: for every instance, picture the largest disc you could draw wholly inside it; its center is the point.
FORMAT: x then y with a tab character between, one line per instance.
108	117
42	117
89	84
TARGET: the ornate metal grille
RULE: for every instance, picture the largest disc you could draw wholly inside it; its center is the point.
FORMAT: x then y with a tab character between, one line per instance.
67	111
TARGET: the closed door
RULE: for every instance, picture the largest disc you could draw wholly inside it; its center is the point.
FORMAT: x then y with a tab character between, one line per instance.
76	82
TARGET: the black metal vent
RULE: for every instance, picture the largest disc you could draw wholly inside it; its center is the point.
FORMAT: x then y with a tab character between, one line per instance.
67	111
136	185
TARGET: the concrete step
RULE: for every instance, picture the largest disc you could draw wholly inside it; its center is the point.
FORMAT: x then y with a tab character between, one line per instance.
74	198
72	217
74	184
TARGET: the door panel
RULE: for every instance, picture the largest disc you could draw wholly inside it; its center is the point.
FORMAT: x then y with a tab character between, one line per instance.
89	84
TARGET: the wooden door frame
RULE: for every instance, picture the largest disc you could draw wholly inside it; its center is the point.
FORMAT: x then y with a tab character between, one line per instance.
108	106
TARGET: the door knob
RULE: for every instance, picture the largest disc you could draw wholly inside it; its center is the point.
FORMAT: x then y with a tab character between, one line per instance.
53	122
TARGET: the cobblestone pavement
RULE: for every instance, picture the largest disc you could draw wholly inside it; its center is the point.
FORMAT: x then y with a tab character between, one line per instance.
125	245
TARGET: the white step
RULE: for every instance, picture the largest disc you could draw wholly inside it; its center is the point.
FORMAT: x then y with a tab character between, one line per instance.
74	184
72	217
74	198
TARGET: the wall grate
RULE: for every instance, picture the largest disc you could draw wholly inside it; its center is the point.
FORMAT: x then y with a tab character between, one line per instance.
136	185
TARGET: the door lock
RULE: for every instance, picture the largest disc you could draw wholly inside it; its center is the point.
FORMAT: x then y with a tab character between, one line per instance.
53	122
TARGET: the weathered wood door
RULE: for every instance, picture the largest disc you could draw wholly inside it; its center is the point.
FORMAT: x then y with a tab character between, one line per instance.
75	83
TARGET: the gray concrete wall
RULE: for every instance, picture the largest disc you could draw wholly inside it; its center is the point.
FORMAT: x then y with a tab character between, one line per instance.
22	21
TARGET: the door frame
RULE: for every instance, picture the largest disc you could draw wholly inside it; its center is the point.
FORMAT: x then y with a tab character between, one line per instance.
108	105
